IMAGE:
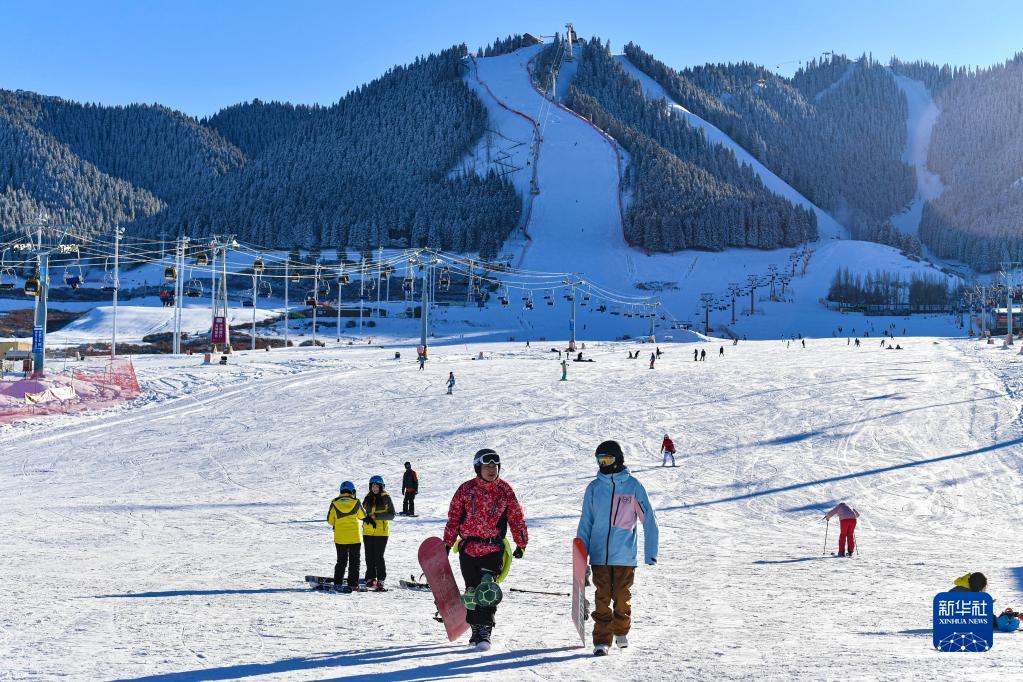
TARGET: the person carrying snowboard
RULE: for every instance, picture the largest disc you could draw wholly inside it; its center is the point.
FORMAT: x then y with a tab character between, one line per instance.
480	513
667	450
847	526
344	515
379	510
613	504
409	486
451	382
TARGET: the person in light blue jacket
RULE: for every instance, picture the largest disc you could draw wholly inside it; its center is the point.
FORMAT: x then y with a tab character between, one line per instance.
613	505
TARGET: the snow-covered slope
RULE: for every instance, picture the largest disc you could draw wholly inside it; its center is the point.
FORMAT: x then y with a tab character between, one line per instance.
168	540
575	222
923	113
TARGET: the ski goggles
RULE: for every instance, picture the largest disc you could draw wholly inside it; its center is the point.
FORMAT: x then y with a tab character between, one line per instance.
605	460
487	458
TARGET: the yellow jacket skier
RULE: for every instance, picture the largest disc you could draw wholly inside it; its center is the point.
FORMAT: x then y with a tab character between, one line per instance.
344	515
376	528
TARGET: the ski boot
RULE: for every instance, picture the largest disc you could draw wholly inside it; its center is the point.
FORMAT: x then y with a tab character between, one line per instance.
621	641
474	638
601	649
483	641
362	585
379	586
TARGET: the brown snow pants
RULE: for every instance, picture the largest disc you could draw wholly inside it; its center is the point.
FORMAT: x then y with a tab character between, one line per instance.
612	583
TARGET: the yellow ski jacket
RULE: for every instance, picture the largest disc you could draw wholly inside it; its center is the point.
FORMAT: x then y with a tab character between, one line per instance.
343	516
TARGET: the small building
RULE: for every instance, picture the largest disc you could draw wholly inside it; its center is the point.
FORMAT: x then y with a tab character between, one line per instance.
1001	320
17	348
530	39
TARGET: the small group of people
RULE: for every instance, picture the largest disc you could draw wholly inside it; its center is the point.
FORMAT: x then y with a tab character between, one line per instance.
1006	621
375	511
482	512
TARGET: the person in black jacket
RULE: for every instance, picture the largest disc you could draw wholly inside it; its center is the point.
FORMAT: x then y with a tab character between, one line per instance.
409	486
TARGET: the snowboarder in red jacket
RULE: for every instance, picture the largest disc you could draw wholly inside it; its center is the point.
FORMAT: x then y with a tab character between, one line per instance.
667	450
480	513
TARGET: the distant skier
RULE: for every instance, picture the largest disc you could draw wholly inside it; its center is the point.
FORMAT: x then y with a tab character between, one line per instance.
803	341
379	510
703	354
696	354
409	486
451	382
480	514
857	343
422	362
721	352
667	450
847	527
612	505
344	515
659	353
564	371
653	359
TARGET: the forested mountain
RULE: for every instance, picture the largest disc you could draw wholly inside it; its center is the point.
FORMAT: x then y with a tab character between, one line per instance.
977	149
685	192
371	170
380	166
835	131
253	126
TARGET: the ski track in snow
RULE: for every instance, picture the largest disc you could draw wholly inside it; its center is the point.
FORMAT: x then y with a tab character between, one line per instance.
168	539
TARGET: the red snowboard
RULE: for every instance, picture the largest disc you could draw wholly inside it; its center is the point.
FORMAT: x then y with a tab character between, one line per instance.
446	594
579	606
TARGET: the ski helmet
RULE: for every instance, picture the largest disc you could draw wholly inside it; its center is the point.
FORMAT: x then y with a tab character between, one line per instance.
379	480
348	486
486	456
612	448
408	465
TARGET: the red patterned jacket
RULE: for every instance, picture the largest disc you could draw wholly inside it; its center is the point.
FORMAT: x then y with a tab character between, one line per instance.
480	514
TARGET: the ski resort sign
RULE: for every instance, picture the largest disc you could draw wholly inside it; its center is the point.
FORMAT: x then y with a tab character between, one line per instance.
219	330
963	621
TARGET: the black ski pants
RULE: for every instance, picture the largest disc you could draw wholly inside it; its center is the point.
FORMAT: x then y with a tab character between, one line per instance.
375	568
408	505
473	569
347	555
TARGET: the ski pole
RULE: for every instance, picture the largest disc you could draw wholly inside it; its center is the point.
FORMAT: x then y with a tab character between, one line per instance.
826	526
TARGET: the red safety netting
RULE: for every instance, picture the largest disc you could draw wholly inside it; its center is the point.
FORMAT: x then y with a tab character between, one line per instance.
92	385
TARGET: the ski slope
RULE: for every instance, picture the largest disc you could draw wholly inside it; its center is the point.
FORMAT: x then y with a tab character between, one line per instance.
167	540
575	224
920	120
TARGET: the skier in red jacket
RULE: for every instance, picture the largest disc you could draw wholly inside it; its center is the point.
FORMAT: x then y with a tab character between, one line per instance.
480	513
667	450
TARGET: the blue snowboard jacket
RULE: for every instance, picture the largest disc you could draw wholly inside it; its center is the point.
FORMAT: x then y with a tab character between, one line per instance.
612	506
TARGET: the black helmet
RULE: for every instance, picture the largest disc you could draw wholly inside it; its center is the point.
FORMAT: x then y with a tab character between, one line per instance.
486	456
408	465
611	447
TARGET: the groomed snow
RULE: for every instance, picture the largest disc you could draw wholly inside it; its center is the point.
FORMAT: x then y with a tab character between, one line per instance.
923	113
168	539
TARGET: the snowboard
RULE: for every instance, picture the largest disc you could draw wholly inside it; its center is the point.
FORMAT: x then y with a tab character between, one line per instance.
446	594
413	584
319	582
579	605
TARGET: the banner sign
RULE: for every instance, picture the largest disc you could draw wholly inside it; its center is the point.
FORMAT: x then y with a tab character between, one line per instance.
37	338
963	621
219	327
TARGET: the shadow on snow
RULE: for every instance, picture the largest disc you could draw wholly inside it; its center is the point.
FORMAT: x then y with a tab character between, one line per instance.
470	664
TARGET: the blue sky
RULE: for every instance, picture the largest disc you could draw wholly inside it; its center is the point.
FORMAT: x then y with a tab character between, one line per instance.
201	56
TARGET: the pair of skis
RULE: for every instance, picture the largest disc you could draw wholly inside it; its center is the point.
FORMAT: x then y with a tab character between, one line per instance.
441	581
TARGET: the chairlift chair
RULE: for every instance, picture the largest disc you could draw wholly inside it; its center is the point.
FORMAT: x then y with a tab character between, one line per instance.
258	266
201	259
264	290
72	279
193	289
343	279
310	298
32	286
170	274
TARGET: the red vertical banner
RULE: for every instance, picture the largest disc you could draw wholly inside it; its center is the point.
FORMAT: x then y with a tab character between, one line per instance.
219	329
